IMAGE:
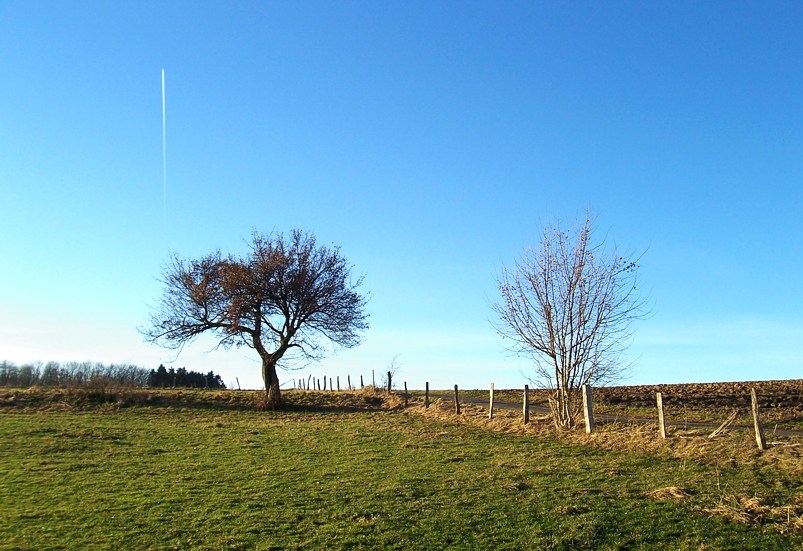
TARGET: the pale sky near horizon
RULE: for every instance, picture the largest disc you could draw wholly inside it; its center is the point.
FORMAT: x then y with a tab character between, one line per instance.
431	141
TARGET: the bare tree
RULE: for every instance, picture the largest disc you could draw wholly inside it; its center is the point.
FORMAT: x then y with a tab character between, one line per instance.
285	299
570	304
392	368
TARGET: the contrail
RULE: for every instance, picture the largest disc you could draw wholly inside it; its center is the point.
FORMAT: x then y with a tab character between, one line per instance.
164	152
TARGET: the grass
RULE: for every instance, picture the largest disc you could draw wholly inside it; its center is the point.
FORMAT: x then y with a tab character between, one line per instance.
314	478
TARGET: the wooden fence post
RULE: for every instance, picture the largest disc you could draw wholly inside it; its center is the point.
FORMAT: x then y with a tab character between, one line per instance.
760	441
405	393
389	383
324	382
349	381
661	422
426	396
362	386
373	379
456	401
338	383
318	383
491	405
330	384
588	410
525	408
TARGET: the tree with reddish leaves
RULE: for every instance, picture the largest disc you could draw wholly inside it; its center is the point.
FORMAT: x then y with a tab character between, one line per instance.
287	298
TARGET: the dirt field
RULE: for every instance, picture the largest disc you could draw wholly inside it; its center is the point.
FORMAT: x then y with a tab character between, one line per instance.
786	394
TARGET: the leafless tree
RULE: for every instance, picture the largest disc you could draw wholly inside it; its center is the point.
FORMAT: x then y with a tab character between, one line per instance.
392	368
286	299
570	304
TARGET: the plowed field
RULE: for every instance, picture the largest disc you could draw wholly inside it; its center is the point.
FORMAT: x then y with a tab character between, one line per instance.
780	402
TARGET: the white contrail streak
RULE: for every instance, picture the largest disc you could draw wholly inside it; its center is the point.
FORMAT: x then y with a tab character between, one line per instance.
164	152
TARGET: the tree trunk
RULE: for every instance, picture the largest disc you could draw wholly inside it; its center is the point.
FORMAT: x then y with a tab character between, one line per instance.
562	408
273	397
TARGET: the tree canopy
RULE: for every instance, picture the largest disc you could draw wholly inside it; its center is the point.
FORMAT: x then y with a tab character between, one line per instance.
287	298
163	377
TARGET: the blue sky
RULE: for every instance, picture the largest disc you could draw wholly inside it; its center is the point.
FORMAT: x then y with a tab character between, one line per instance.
432	141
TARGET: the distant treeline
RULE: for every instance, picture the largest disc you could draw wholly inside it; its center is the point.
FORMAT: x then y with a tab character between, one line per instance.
162	378
73	374
98	375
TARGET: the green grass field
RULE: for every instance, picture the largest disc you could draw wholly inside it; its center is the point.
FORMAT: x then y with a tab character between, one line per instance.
215	478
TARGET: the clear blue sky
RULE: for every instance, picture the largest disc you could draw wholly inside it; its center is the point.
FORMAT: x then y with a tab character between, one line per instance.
431	140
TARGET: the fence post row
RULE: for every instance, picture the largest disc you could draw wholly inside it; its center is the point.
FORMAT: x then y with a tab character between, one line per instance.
588	411
659	399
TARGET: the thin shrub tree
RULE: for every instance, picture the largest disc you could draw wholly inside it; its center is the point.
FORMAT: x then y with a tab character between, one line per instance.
569	304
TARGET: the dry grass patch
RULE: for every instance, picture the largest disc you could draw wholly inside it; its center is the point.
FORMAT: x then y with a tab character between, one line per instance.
65	399
670	492
753	510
